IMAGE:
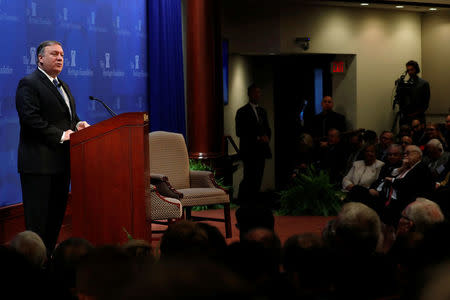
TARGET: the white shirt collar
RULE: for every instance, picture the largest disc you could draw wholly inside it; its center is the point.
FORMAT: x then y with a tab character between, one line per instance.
253	105
48	76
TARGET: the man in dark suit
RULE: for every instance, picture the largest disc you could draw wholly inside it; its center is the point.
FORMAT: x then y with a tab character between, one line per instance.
326	120
413	179
47	116
413	96
252	127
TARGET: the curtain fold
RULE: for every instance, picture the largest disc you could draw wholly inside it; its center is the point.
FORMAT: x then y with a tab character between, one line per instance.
165	57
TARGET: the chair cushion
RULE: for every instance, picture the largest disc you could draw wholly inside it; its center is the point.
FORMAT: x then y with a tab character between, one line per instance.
203	196
169	157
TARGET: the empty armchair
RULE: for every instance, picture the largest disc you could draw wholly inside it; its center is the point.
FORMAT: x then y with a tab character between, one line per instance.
169	167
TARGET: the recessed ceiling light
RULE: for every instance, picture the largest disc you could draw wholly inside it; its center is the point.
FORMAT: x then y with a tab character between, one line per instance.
399	6
364	4
433	8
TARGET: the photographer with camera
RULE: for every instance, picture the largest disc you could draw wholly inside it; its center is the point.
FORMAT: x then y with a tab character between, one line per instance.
412	95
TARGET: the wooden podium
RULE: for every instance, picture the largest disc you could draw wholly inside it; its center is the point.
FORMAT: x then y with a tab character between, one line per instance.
111	179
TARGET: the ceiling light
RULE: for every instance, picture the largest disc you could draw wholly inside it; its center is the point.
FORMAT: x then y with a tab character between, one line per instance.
399	6
364	4
433	8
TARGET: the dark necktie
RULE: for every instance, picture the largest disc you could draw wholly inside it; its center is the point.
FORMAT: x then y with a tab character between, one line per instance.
58	87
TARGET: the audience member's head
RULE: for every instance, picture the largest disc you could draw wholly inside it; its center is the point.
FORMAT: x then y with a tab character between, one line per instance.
104	272
417	125
447	123
254	93
327	104
437	285
306	264
249	217
411	156
186	279
419	216
394	154
434	149
386	139
370	137
64	261
369	154
432	131
357	229
216	242
184	238
334	136
405	130
356	141
406	141
29	244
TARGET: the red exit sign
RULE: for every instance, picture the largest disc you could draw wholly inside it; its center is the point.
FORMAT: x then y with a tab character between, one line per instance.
338	67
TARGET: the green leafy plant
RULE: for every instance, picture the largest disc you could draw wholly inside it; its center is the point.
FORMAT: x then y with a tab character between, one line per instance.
128	234
310	193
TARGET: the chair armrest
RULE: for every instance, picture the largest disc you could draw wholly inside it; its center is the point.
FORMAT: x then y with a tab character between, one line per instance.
203	179
162	184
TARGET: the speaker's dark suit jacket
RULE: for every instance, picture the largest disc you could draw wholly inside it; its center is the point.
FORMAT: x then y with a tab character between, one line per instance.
43	116
248	129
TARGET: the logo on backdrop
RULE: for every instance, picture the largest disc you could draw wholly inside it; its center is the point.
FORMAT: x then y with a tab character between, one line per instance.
65	22
92	23
30	60
139	30
33	16
137	72
72	69
4	15
106	66
118	30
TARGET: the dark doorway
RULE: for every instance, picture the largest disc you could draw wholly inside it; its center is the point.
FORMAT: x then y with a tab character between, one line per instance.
295	79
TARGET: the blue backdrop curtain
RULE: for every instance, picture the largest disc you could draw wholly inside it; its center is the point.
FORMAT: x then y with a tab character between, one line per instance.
165	59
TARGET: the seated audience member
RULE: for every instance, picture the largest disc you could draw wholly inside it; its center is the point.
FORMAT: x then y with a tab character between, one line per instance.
363	172
446	132
249	218
378	189
419	216
406	141
104	272
30	245
432	132
184	239
411	180
216	242
186	279
326	120
386	139
405	130
20	279
437	285
357	229
436	159
355	149
306	265
331	156
370	137
418	132
256	259
62	266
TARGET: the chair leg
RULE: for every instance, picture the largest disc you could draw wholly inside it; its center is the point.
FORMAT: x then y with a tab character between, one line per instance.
226	212
188	213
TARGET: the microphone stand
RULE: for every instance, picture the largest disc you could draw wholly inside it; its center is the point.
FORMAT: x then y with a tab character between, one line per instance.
104	104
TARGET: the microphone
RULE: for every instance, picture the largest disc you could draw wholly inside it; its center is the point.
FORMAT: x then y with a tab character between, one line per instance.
103	103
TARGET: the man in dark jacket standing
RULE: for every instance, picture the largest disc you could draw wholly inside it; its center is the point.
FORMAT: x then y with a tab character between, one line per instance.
326	120
48	117
252	127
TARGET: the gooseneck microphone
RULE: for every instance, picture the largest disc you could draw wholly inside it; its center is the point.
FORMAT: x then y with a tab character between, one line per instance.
103	103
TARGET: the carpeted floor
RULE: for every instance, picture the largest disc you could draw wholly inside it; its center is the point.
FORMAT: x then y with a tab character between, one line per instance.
285	226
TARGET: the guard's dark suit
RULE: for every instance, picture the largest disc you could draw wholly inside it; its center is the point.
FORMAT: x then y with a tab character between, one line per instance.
253	152
44	162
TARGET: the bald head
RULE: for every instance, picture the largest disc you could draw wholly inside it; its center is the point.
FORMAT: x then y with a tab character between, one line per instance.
327	104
